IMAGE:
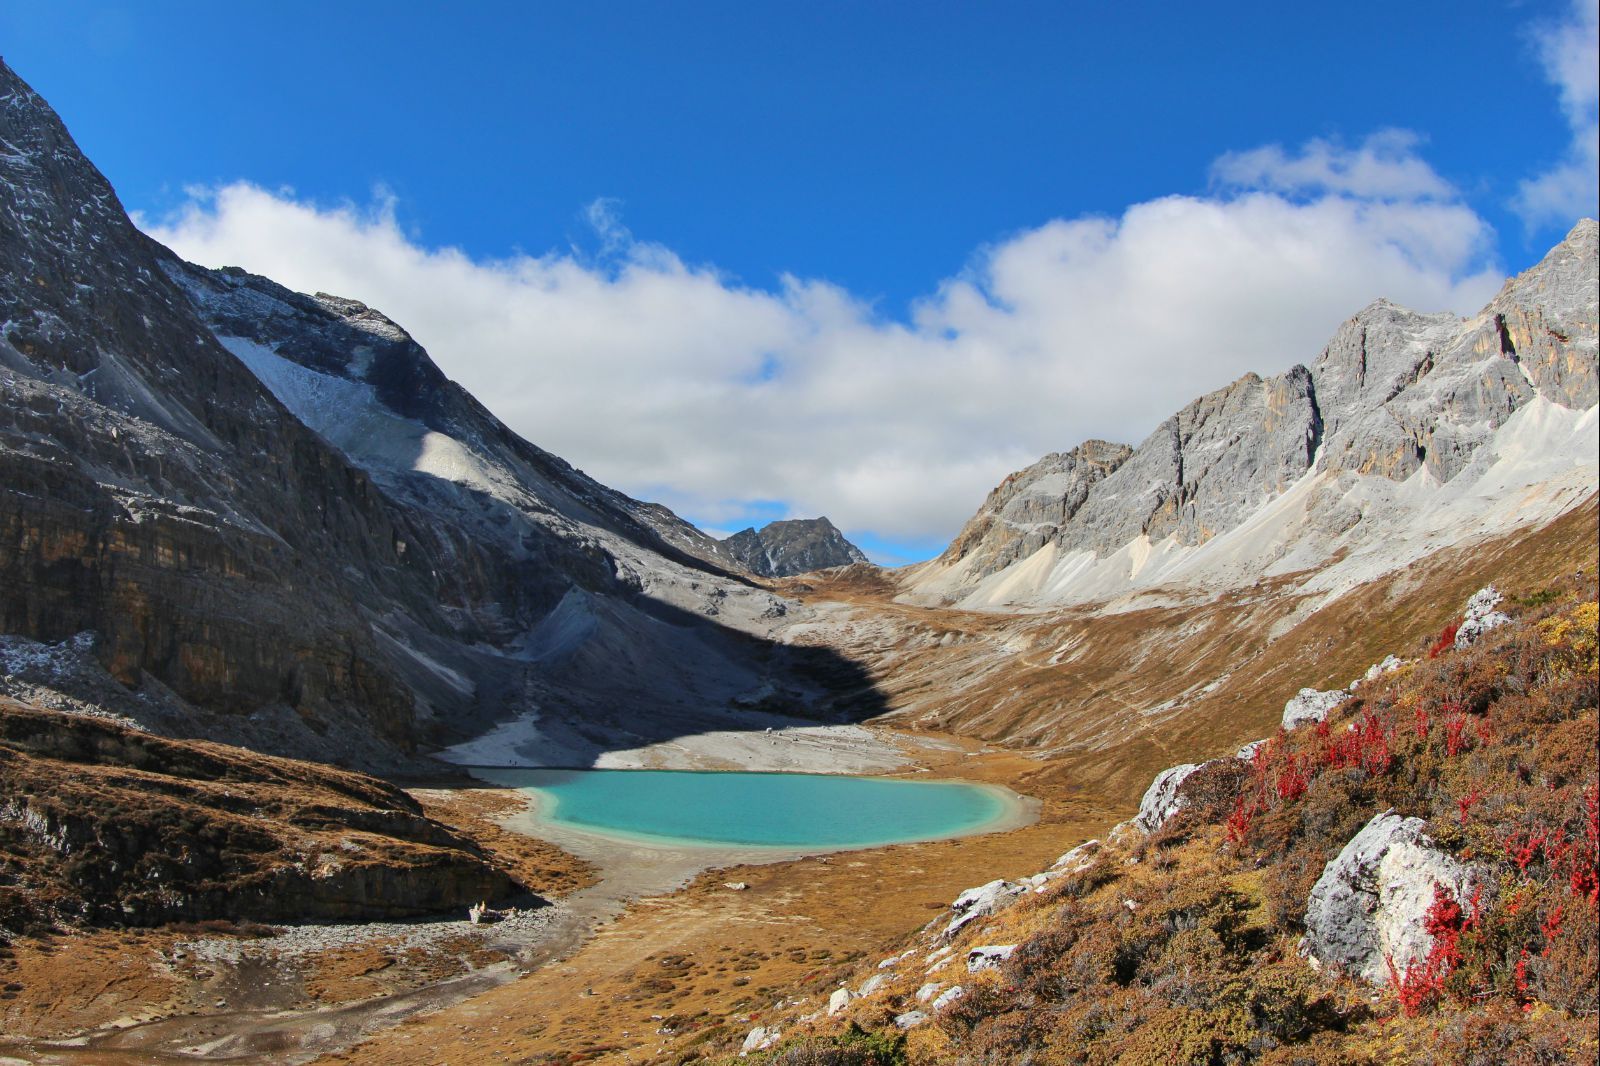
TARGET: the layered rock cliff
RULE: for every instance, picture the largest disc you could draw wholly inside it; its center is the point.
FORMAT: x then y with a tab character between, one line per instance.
792	546
1407	432
273	516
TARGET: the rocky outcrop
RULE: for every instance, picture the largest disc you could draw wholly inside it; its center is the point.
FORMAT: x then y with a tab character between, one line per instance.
1480	616
1366	911
792	546
1029	508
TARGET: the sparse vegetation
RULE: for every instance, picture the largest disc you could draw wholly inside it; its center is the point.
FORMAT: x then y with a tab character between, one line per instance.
1183	947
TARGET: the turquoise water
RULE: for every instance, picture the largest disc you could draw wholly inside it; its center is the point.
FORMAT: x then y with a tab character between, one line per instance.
776	810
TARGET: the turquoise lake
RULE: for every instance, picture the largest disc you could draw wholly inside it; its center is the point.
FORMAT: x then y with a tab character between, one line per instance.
758	809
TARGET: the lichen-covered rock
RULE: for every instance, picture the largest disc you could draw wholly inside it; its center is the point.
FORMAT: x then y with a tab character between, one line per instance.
910	1019
1310	705
975	903
840	999
1248	752
1480	616
928	991
1162	800
948	997
1366	911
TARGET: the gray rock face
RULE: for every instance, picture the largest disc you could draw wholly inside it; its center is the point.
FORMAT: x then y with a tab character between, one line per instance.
1367	909
1162	800
1310	705
1394	392
790	547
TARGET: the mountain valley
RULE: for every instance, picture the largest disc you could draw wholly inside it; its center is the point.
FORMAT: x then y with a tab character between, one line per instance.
271	585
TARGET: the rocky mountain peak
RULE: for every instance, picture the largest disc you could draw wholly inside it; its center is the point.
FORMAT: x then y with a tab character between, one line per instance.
792	546
1311	459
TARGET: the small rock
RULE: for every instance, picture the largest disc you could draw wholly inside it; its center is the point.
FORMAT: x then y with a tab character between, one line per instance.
988	956
839	1000
1248	752
872	984
948	997
735	886
1390	664
1311	706
928	991
910	1019
759	1039
979	902
1078	859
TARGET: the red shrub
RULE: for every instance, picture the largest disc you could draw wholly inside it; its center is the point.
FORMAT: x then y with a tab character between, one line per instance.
1446	641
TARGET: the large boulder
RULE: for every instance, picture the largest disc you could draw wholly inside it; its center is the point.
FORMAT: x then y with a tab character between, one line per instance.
1366	911
1161	800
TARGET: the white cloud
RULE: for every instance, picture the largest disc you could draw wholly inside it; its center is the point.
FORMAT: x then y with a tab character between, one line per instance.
1569	51
1384	167
674	383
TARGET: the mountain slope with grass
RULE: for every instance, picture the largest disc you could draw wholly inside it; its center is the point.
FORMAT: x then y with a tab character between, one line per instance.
1201	936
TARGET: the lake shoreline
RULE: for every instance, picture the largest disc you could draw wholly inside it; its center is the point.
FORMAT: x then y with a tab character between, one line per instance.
538	820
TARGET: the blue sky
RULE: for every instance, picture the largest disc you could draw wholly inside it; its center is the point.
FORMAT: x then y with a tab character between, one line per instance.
827	223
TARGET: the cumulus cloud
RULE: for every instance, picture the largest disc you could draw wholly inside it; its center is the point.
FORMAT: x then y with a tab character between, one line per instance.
673	382
1569	51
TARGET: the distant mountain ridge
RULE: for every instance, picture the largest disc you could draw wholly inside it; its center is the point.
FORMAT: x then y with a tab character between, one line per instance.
1408	431
792	546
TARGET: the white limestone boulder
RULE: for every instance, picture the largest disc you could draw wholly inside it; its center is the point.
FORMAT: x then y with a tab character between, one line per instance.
872	984
759	1039
1370	903
1310	705
1480	616
1161	800
840	1000
981	901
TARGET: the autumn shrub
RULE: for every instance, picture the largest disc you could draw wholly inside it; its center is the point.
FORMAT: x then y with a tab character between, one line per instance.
854	1047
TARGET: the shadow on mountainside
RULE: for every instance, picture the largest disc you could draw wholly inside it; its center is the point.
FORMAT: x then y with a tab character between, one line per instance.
643	673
